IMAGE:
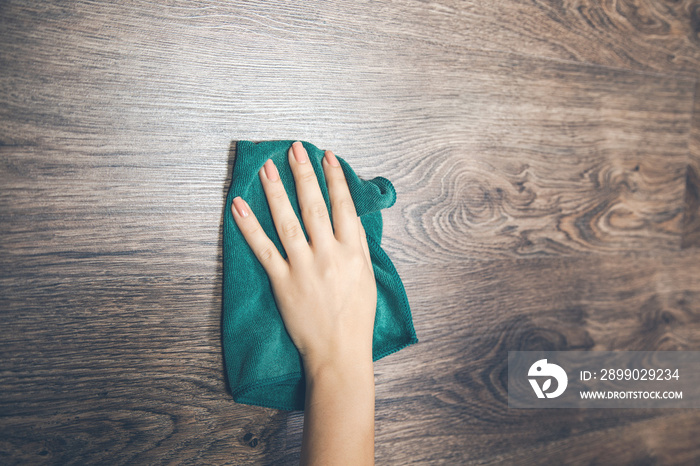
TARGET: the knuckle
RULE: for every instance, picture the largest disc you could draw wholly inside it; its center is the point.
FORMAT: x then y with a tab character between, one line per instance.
338	175
307	176
278	194
253	230
291	229
317	210
265	255
344	204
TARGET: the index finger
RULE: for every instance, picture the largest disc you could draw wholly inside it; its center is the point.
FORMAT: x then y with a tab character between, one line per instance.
262	246
342	205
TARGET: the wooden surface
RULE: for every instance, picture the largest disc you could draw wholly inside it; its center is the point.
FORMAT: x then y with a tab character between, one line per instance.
546	157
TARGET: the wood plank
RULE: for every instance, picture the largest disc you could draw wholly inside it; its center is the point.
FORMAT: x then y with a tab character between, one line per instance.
635	303
496	156
653	301
554	164
104	371
107	62
643	35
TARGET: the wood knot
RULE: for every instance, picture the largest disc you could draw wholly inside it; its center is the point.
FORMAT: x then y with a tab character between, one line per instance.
250	440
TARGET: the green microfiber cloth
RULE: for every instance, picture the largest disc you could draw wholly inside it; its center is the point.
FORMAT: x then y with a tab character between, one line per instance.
262	364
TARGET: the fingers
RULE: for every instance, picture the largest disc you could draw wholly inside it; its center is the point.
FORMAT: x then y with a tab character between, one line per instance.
342	206
347	225
314	211
263	248
286	222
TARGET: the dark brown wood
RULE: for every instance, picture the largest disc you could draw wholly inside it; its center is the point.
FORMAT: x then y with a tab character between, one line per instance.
546	159
637	34
457	380
537	158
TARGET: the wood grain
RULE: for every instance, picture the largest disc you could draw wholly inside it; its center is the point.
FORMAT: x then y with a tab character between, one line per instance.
552	163
552	304
493	155
634	34
545	156
121	370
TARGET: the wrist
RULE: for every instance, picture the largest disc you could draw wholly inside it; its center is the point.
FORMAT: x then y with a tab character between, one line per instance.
352	363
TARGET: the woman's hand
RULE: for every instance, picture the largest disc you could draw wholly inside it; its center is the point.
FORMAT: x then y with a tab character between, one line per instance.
325	290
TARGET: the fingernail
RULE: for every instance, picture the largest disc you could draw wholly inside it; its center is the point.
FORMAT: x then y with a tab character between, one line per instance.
271	171
330	158
299	152
240	206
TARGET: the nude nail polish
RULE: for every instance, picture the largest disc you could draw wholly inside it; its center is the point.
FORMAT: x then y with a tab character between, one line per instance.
330	158
299	152
271	171
240	206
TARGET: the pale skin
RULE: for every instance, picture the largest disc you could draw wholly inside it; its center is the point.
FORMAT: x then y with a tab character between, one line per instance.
326	294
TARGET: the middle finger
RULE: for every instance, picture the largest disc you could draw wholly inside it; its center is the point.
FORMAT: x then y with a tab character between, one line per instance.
313	208
286	222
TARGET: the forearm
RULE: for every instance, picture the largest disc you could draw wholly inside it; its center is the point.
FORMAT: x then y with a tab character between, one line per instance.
339	414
